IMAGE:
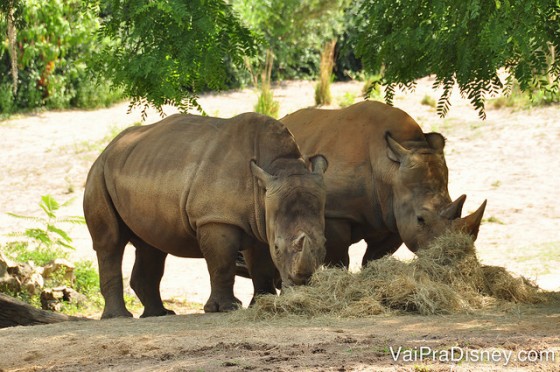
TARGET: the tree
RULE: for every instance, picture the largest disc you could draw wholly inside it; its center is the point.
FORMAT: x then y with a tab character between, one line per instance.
8	9
165	51
463	43
294	30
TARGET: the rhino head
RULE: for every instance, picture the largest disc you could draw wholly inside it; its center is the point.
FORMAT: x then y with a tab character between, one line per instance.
294	215
422	207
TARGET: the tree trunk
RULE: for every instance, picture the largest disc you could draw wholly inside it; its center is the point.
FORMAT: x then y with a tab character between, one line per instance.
12	34
14	312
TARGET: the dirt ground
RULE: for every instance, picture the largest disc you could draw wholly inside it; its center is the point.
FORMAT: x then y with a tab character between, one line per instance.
511	159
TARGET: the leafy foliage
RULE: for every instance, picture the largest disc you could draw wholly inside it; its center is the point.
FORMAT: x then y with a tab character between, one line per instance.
48	240
294	30
463	43
54	40
165	51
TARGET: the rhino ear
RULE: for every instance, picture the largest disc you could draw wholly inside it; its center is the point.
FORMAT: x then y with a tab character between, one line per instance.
265	179
395	151
319	164
435	140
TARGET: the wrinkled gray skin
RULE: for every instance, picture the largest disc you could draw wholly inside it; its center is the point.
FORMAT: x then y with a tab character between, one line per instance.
387	180
195	186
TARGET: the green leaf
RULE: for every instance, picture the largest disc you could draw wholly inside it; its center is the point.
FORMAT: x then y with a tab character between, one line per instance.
49	205
60	233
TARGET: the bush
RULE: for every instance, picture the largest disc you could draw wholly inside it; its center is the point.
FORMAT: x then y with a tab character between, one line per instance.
55	41
347	99
6	99
519	99
266	104
372	88
428	100
45	242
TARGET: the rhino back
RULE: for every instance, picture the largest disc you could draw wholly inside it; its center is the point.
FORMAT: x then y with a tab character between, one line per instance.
168	178
353	139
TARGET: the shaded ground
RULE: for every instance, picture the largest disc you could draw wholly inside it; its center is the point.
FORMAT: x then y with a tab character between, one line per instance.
511	159
215	342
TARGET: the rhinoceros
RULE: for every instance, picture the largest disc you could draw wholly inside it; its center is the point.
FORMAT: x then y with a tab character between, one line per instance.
203	187
387	180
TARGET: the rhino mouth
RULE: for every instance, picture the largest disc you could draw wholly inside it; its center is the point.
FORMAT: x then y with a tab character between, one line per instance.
298	279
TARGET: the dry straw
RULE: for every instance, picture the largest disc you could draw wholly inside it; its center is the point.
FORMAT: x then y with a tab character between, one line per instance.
445	278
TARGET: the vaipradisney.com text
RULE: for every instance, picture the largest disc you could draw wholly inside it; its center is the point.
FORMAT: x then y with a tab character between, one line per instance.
457	354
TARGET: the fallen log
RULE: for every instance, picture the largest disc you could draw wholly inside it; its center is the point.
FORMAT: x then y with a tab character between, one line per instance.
14	312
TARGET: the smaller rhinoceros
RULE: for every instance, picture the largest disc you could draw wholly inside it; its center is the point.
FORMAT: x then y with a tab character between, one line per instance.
205	187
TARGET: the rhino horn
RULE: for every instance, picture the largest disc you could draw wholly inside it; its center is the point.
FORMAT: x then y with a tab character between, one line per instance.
306	261
471	223
395	151
453	210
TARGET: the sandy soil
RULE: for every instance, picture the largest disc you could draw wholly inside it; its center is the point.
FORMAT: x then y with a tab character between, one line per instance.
511	159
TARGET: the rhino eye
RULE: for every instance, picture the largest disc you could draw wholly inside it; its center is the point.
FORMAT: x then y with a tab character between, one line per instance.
421	220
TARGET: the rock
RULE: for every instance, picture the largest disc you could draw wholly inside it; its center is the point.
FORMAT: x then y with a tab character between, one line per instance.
70	295
57	265
52	298
5	263
9	283
34	283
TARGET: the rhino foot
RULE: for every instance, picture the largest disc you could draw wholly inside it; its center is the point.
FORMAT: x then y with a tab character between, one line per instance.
160	312
217	305
116	314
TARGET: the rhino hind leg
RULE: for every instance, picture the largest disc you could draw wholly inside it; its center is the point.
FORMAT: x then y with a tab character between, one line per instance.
111	282
109	236
147	272
379	248
220	244
262	270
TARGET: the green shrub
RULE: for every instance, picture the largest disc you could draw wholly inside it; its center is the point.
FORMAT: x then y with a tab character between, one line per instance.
87	278
519	99
323	87
56	39
372	88
47	241
428	100
6	99
49	236
347	99
266	104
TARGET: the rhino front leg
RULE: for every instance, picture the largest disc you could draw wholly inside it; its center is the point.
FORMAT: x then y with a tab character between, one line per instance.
377	248
146	277
262	270
339	237
220	244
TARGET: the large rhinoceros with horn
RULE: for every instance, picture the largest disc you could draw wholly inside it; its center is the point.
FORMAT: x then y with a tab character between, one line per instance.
195	186
387	180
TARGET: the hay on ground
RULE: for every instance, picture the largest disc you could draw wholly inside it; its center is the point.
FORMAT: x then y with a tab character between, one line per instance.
446	277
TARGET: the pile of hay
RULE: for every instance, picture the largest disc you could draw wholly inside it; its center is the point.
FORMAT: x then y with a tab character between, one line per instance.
445	278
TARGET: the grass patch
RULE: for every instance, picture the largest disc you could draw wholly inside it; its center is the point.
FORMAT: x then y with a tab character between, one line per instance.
428	100
346	100
493	219
518	99
445	278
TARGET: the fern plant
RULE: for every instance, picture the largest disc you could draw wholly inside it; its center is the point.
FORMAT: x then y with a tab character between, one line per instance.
47	238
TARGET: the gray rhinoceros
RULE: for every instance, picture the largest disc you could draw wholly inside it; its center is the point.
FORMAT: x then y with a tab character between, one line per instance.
387	180
195	186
